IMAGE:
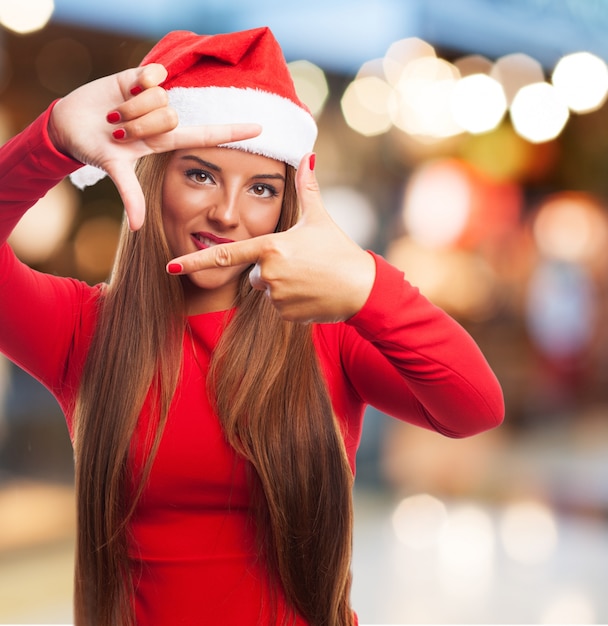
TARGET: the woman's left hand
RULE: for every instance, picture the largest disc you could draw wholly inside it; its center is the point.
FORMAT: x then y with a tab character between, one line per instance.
312	272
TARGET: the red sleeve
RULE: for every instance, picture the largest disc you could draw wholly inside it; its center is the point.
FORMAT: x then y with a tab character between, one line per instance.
45	321
411	360
29	166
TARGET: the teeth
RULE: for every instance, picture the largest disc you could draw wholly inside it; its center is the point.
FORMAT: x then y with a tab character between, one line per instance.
204	240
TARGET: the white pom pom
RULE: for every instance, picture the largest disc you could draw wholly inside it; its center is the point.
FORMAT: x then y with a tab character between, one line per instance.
87	176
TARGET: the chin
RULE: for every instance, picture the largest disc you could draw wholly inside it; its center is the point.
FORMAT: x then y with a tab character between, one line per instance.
212	280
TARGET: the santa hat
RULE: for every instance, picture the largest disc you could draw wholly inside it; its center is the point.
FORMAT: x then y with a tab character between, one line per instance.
228	78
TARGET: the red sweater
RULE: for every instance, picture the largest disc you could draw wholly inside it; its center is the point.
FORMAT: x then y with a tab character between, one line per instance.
191	543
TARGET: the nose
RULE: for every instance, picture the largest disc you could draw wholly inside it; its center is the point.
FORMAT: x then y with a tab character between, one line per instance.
225	213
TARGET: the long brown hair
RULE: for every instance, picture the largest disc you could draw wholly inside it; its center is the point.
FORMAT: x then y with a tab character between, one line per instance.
272	402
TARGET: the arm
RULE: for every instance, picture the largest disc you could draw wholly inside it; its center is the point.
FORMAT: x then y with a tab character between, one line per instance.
38	313
30	167
407	357
41	317
411	360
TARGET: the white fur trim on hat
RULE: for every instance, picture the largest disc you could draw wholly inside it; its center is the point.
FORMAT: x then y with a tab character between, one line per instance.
87	176
288	130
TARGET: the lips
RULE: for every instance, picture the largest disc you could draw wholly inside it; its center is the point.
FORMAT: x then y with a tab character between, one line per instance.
207	240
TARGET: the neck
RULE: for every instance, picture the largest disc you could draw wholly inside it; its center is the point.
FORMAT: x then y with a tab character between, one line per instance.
199	300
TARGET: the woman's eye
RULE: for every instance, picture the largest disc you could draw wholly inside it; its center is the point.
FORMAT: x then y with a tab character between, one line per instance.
263	191
198	176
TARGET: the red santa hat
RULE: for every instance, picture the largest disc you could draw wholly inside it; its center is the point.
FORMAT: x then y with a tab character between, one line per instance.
227	78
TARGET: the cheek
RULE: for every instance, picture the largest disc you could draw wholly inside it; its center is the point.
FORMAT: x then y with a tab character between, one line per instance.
264	223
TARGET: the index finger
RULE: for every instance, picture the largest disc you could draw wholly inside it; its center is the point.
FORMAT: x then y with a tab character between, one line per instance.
246	252
209	136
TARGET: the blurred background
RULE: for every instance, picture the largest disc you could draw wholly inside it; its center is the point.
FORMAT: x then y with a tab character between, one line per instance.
467	141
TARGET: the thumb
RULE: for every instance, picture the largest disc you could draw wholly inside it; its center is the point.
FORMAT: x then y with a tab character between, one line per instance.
130	191
307	187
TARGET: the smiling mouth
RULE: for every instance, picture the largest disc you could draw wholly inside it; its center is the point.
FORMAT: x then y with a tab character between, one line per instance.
207	240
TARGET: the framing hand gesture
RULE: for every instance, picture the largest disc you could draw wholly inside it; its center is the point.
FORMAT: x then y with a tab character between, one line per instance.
113	121
311	272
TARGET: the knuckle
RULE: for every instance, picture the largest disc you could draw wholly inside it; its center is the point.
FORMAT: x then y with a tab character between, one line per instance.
222	257
161	96
156	97
170	117
135	129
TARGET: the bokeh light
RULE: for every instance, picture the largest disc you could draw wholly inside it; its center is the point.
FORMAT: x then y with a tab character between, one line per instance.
538	112
473	64
353	212
570	227
311	85
514	71
478	103
401	53
569	606
419	520
466	552
421	100
44	228
365	105
437	203
25	16
582	81
456	280
561	309
528	531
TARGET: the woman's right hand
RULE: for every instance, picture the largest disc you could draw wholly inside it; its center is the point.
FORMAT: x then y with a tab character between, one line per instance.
113	121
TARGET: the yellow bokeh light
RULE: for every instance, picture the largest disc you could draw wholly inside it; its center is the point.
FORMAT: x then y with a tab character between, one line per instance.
45	226
421	102
401	53
311	85
365	106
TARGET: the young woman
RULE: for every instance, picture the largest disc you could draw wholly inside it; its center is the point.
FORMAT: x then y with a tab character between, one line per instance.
215	387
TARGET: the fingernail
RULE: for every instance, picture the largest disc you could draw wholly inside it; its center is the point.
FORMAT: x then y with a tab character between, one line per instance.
113	117
311	161
119	133
174	268
135	91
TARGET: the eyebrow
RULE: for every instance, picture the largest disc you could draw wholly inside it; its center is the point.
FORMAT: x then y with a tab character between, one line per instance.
217	168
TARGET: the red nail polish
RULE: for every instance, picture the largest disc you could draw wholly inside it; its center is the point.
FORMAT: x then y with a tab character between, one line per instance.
174	268
312	161
135	91
113	117
119	133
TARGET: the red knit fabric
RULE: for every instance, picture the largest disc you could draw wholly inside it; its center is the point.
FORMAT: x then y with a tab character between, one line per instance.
210	60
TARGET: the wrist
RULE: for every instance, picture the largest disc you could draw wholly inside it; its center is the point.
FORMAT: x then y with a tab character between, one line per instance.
53	131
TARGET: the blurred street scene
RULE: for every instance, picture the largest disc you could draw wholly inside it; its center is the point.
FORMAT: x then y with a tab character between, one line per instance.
467	142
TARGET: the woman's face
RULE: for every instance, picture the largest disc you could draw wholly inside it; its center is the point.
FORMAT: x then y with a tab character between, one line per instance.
218	195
